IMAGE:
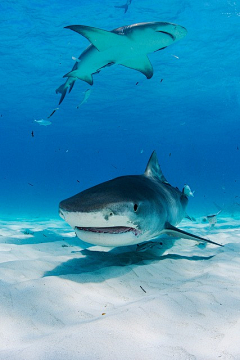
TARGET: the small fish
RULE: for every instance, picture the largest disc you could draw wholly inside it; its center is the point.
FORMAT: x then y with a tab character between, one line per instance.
53	112
76	59
187	191
175	56
32	134
86	96
30	184
43	122
212	219
125	6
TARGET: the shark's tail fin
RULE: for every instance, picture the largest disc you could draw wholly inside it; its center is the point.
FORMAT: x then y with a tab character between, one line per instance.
62	90
64	87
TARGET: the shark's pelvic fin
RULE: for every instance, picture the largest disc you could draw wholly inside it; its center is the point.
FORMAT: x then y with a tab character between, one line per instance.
75	74
153	169
101	39
172	230
141	64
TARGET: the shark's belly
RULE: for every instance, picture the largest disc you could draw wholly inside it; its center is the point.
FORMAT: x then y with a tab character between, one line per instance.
93	60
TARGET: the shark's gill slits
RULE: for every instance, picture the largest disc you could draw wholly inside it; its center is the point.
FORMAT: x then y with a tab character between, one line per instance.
164	32
110	230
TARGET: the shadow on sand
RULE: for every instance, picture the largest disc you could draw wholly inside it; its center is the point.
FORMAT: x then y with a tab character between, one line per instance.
94	266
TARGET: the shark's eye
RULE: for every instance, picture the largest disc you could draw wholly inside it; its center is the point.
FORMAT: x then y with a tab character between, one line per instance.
111	214
135	207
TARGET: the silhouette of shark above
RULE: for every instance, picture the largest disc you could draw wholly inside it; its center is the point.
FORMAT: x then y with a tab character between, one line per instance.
127	46
125	6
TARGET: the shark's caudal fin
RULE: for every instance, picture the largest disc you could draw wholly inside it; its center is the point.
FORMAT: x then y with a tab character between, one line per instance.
153	169
172	230
101	39
62	90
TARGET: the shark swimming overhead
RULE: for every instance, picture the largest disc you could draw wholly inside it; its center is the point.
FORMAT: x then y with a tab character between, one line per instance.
127	46
128	210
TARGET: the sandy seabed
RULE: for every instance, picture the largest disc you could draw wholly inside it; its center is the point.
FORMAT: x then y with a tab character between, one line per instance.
62	299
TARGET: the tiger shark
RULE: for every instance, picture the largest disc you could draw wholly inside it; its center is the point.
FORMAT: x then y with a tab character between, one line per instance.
126	45
128	210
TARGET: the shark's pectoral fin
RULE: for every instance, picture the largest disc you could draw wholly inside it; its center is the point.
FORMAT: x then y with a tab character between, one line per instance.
101	39
85	77
172	230
141	64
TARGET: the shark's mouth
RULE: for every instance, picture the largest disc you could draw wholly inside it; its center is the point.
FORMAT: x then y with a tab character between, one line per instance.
110	230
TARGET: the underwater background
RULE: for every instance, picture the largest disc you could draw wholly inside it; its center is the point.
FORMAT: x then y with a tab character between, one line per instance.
188	111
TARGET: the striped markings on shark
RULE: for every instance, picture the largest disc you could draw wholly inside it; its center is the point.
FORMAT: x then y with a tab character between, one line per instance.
128	210
127	46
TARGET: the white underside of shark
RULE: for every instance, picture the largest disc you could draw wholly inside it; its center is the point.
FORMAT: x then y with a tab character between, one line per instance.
127	46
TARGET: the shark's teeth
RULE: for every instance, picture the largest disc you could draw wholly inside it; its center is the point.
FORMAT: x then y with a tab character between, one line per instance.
110	230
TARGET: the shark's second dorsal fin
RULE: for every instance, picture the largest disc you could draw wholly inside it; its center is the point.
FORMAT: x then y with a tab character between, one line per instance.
101	39
153	169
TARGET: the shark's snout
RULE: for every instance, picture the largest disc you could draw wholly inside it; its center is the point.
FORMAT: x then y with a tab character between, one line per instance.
181	32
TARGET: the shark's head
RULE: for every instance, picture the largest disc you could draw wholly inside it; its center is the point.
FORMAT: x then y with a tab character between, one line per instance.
153	36
176	32
122	211
114	213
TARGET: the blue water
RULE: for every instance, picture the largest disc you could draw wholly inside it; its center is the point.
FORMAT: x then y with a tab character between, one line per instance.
191	118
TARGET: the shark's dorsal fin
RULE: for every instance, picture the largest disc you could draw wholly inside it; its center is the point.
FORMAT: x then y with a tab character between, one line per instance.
153	169
101	39
141	63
